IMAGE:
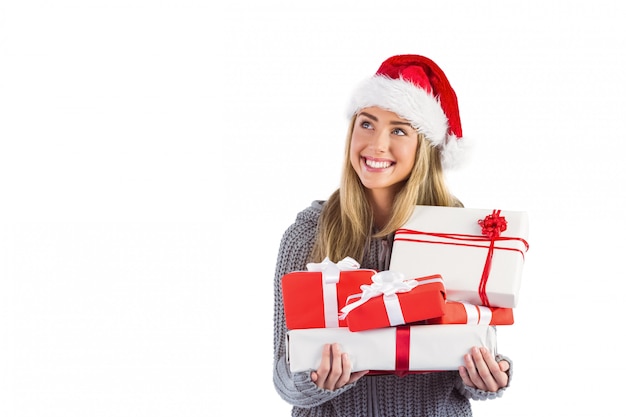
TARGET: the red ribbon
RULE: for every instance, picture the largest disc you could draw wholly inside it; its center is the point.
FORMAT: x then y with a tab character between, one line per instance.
492	225
403	352
403	349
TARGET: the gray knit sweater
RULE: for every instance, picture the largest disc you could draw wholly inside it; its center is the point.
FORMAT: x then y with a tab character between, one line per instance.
430	394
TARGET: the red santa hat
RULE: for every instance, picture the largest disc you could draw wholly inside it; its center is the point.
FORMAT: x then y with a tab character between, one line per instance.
416	89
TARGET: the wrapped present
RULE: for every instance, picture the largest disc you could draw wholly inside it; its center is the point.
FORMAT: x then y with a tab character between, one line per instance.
479	253
457	312
399	350
313	298
390	300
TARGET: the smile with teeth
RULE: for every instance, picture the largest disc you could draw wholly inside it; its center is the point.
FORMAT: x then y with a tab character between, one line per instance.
377	164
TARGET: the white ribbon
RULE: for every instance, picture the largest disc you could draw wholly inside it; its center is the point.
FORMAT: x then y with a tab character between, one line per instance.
388	284
330	277
477	314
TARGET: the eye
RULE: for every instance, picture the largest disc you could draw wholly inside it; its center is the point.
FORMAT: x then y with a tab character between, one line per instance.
366	125
399	132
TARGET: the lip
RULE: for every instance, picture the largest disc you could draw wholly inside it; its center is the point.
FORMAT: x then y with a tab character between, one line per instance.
376	164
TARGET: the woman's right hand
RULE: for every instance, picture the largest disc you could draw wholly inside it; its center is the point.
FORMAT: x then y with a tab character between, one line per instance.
335	369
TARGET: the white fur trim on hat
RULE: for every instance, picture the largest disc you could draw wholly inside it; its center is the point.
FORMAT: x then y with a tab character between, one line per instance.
402	97
455	153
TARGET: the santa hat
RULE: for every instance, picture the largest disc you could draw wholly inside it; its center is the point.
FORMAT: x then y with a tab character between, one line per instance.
416	89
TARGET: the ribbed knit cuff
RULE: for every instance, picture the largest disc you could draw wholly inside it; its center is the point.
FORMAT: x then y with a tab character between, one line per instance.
307	387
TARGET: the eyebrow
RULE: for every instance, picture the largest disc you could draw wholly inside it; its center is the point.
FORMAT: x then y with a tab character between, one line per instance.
371	116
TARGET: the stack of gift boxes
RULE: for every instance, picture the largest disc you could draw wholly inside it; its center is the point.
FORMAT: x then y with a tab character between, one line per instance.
454	275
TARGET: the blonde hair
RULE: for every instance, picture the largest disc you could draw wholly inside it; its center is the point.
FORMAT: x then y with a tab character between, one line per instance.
347	220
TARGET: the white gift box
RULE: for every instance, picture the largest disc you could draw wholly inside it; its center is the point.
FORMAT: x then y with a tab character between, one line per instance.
435	347
449	241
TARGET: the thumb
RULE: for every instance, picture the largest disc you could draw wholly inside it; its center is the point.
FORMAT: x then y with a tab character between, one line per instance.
314	376
504	365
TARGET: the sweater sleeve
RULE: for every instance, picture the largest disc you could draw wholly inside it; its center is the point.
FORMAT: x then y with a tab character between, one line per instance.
296	244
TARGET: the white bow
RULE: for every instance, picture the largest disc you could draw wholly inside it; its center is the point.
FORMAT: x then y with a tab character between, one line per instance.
330	277
331	270
385	283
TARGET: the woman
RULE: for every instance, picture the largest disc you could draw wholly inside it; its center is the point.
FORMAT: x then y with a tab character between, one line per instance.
405	128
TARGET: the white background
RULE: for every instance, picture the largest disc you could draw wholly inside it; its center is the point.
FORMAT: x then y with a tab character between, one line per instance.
153	152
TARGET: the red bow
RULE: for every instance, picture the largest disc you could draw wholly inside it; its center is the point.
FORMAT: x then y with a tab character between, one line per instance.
493	224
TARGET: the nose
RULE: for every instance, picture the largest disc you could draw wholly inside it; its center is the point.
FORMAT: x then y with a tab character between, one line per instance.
380	142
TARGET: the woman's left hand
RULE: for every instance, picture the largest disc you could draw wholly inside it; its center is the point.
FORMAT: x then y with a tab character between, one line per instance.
483	372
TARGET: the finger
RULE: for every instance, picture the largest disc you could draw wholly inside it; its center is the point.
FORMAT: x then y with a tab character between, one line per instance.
465	377
324	368
500	374
489	370
485	365
497	377
489	360
336	368
346	370
473	368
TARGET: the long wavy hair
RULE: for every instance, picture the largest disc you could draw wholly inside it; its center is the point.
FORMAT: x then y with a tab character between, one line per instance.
347	220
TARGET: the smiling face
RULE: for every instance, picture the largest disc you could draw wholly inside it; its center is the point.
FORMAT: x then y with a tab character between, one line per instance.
383	149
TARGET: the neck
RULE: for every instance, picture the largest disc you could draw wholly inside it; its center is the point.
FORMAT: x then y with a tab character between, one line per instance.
381	202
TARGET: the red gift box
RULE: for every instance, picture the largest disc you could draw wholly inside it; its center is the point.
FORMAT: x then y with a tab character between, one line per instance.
313	298
465	313
391	301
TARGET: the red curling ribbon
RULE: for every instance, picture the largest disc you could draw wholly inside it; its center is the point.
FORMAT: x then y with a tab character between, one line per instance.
492	225
403	348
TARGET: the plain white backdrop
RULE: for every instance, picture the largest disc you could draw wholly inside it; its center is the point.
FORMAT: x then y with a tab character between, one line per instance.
153	152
